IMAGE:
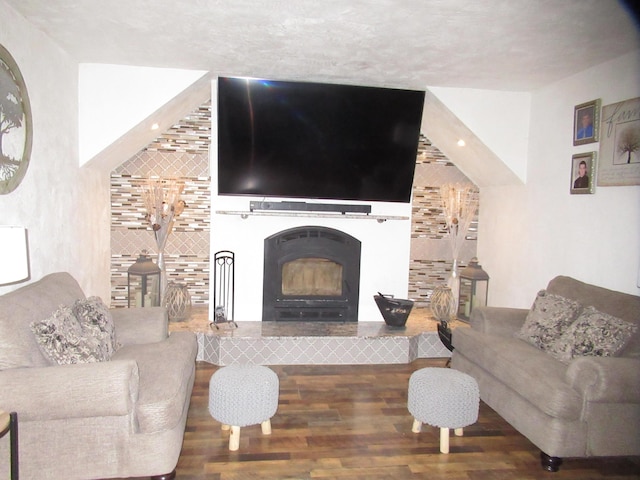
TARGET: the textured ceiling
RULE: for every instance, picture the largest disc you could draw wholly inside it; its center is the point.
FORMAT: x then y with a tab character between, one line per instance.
515	45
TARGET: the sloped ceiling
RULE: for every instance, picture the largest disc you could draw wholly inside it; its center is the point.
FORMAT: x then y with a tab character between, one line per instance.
516	45
510	45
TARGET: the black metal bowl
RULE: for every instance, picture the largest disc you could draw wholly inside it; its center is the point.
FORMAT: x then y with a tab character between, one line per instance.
395	311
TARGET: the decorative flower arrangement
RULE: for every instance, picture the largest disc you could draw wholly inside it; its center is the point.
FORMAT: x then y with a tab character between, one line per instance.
163	203
459	204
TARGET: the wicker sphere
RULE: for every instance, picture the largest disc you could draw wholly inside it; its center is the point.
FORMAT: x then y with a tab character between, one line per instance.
442	303
177	301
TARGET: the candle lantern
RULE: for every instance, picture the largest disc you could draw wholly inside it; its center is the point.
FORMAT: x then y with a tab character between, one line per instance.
143	283
474	289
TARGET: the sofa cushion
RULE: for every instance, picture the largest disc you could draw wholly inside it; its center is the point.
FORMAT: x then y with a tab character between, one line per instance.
21	307
531	373
165	370
549	317
618	304
64	342
593	334
96	320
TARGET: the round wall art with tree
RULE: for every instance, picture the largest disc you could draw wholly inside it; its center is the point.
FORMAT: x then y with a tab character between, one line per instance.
15	124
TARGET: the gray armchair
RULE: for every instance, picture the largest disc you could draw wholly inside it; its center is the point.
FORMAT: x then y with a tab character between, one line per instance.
119	418
587	407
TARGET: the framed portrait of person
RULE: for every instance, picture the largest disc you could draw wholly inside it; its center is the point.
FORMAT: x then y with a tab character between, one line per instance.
586	122
583	170
619	158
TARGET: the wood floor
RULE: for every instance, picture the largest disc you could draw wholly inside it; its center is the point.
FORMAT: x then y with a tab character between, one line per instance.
351	422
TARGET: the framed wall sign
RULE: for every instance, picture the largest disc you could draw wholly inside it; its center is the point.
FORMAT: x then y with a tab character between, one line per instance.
583	169
619	159
15	124
586	122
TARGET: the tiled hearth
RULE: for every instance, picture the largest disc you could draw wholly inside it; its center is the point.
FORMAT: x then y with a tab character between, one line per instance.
315	343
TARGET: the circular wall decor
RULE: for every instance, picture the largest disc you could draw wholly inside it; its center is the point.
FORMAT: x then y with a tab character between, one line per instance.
15	124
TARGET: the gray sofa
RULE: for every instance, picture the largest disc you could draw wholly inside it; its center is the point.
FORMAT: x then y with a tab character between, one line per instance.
589	406
119	418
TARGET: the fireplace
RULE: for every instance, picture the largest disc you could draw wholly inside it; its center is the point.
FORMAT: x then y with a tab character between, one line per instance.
311	273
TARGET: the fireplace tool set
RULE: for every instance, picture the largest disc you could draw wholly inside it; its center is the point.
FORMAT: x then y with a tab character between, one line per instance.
223	289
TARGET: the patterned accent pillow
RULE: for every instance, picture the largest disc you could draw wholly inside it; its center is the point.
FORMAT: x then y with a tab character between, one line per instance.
548	318
96	320
593	334
63	341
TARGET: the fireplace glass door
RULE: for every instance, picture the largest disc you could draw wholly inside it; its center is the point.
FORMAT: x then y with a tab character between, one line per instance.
312	277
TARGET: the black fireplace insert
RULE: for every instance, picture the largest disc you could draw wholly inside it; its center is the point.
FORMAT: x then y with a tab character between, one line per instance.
311	273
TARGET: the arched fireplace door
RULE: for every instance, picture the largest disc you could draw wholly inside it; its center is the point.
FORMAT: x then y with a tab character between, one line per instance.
311	273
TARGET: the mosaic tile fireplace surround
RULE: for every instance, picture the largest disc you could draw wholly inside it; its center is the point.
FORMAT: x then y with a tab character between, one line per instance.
183	153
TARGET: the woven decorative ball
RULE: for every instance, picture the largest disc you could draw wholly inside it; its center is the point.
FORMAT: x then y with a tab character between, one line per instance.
177	301
442	303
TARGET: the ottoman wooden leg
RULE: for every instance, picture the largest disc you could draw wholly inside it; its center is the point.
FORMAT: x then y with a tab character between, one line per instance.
444	440
459	432
266	427
417	426
234	438
225	427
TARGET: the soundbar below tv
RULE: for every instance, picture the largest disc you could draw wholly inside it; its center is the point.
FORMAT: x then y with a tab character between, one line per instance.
317	141
309	207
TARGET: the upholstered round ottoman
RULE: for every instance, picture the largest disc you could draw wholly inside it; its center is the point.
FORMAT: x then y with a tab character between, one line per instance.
444	398
242	395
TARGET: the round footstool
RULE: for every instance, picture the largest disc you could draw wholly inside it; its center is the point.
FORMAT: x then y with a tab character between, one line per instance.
242	395
444	398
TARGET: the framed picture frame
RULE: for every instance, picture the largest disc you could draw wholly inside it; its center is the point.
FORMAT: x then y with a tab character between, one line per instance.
15	124
583	169
586	122
619	157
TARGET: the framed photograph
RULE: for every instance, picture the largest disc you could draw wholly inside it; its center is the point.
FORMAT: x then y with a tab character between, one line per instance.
583	168
15	124
619	159
586	120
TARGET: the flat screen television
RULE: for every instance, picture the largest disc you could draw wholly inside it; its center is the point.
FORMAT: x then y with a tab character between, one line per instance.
318	141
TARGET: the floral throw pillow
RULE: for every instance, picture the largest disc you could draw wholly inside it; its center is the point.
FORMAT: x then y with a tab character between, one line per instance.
593	334
62	340
548	318
96	320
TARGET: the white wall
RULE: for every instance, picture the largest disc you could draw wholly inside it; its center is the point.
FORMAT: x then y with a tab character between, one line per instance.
64	208
531	233
115	98
499	119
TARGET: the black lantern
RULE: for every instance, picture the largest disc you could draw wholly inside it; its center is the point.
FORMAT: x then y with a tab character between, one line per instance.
474	289
143	283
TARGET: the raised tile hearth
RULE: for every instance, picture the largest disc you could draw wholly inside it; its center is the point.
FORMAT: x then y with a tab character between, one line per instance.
315	343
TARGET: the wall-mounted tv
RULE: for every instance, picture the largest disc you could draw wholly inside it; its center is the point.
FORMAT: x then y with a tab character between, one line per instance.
314	140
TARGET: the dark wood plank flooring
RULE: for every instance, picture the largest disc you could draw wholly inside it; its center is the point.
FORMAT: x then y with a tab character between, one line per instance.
351	422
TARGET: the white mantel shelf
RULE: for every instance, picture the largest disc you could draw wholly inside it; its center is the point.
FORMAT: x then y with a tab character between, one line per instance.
350	216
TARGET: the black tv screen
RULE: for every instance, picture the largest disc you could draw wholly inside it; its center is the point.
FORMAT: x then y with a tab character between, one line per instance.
313	140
